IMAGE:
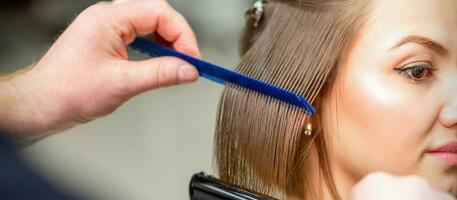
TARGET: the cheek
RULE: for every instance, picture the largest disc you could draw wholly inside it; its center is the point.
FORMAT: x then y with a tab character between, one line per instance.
378	124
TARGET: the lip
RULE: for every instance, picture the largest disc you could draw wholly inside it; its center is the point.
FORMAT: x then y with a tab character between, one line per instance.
446	152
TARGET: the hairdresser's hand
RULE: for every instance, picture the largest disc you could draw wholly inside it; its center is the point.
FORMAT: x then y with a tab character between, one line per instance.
382	186
86	73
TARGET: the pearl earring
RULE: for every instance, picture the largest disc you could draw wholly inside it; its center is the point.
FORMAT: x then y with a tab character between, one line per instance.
309	129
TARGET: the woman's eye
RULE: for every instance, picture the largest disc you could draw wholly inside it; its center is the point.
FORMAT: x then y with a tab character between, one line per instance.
418	72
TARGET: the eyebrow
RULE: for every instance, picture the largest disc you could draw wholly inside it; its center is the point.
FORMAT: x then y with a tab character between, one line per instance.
424	41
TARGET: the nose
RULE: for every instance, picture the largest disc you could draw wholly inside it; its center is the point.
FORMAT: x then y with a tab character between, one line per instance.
448	115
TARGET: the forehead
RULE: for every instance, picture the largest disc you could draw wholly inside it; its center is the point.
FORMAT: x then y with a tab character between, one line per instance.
392	19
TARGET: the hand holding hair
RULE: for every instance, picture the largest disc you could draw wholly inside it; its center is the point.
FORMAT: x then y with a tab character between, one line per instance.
86	73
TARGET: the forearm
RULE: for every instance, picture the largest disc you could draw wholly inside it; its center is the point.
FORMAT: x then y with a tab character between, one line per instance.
20	113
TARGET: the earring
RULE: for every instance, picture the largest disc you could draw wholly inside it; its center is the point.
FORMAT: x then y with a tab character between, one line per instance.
308	129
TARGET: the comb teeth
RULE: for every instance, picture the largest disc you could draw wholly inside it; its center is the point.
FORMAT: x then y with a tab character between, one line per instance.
221	75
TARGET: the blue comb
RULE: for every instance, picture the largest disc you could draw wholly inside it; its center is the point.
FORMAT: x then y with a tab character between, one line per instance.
221	75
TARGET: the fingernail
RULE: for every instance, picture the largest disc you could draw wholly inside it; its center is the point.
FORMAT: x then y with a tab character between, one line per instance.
187	73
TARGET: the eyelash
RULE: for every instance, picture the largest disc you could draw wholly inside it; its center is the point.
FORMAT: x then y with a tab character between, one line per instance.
408	70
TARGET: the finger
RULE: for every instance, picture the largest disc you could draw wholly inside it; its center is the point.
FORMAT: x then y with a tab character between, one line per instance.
376	177
447	196
140	76
371	185
120	1
155	16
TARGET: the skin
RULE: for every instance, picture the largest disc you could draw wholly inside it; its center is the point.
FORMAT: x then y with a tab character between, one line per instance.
86	73
381	120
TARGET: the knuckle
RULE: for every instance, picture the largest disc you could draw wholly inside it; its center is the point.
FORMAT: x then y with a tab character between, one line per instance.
165	73
159	74
94	18
96	11
158	6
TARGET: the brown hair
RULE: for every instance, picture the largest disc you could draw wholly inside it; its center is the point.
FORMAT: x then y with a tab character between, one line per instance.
259	142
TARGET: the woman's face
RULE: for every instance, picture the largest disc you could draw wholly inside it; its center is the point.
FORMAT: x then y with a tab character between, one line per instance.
394	102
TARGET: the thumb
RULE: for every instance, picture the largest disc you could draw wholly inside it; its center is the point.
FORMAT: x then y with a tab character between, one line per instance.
156	73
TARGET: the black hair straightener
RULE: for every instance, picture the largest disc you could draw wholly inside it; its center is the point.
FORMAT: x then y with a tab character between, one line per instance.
205	187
